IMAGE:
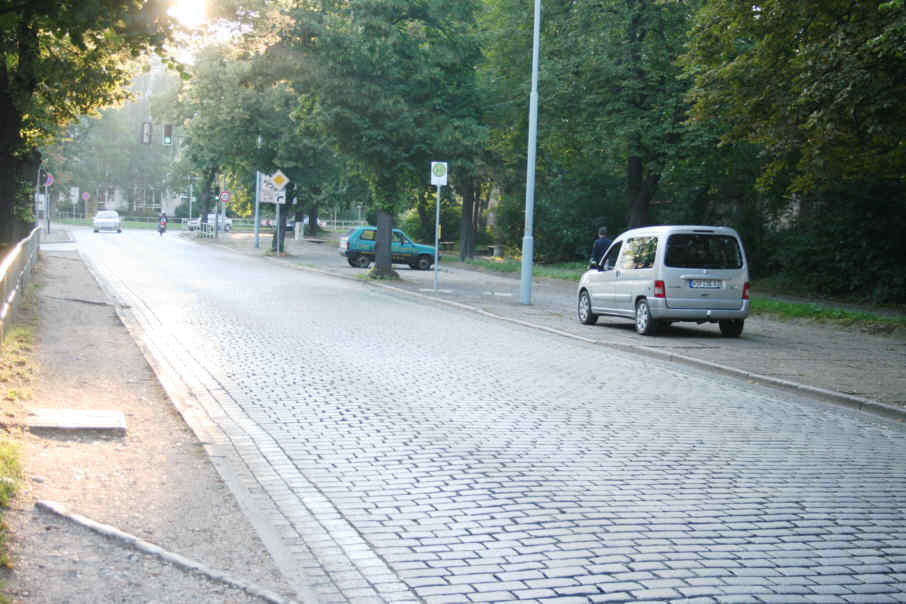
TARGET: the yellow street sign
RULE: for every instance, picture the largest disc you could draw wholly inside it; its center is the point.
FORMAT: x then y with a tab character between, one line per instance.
279	179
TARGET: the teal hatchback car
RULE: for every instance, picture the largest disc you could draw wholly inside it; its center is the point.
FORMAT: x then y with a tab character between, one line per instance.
358	247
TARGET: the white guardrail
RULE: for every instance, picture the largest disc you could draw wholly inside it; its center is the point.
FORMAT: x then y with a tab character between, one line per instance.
15	272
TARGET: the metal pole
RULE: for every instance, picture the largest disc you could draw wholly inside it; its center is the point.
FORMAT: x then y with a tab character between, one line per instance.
190	200
279	229
257	201
436	237
528	243
217	210
37	192
221	207
47	206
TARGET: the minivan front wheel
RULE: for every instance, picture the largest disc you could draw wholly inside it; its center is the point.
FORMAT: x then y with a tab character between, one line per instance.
731	328
586	317
644	323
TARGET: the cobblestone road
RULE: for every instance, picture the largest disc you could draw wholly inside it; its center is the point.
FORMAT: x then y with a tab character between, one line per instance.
394	451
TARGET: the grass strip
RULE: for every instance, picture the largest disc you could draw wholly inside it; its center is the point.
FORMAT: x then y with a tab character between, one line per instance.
826	314
16	372
569	271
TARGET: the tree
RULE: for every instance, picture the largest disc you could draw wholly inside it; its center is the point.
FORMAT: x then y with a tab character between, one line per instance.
61	59
388	75
105	154
616	95
821	87
611	108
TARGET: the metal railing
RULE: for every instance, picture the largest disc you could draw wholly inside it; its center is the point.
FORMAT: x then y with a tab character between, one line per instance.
205	230
15	272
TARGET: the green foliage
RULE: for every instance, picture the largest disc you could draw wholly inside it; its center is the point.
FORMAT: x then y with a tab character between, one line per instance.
58	61
568	213
824	313
391	78
848	243
104	154
568	271
10	471
817	85
413	226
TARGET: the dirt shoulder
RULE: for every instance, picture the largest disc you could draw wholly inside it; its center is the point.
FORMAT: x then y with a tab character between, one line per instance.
155	482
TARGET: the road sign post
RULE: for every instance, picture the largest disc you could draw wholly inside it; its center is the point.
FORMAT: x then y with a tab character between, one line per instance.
438	178
280	181
257	203
220	213
47	183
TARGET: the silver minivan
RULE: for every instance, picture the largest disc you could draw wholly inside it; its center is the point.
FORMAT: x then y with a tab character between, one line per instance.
664	274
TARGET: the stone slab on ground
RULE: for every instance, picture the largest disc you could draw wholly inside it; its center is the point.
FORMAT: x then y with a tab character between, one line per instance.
107	421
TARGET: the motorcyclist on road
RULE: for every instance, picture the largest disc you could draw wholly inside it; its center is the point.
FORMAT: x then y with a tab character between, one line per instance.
162	223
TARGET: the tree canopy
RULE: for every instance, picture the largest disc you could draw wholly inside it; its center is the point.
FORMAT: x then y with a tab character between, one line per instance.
782	120
62	59
820	86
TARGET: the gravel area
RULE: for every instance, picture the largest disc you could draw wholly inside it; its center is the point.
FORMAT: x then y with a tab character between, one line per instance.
155	483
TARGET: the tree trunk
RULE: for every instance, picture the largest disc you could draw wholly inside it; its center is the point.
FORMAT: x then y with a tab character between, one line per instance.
17	175
383	262
313	227
421	208
205	193
640	192
466	225
15	189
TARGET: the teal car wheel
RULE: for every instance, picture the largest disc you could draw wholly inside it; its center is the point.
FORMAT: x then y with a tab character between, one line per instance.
424	262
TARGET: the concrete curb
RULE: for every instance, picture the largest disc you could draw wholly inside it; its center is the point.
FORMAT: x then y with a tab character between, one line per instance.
149	548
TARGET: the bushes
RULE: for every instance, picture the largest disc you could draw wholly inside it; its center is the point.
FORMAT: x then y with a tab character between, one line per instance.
848	243
565	229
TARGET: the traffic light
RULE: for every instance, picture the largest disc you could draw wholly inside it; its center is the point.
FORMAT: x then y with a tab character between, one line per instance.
168	134
146	133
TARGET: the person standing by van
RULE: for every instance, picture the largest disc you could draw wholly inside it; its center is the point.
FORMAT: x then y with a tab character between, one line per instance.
600	245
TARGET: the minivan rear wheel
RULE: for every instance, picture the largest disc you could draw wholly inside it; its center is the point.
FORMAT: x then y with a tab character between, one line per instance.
644	323
586	317
731	328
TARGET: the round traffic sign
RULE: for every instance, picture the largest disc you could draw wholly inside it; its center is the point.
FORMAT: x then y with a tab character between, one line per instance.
225	196
86	196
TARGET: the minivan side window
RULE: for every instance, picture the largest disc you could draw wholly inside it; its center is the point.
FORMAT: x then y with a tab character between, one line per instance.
610	259
638	253
367	235
703	251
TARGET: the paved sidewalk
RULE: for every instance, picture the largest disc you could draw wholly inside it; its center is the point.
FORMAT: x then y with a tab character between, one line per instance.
843	365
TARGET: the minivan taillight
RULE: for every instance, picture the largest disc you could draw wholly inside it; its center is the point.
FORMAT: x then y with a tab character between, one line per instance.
745	291
659	290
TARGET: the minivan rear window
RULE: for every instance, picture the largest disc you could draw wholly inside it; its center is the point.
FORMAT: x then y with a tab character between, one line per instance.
703	251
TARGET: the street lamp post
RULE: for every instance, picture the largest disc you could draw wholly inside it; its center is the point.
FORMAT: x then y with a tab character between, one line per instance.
257	197
528	243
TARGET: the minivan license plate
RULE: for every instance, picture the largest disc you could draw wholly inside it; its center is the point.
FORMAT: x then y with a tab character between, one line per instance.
704	283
